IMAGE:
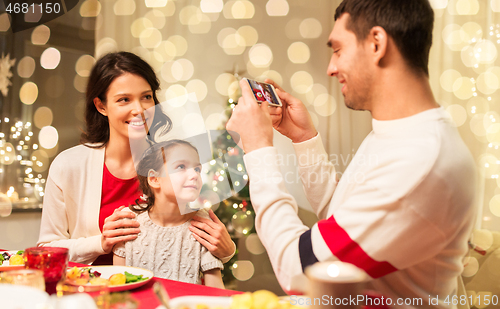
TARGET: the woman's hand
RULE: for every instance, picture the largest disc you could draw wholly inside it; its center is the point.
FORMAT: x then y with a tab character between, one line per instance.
118	227
213	235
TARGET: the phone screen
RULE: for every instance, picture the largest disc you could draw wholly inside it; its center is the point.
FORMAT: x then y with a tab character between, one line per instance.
264	92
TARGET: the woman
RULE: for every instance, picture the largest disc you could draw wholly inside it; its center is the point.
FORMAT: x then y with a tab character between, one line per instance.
90	184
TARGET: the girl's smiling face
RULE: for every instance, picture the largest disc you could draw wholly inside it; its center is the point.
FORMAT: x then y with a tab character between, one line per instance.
183	180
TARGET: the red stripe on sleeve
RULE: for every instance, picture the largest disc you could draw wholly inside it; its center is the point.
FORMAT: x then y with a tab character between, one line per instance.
347	250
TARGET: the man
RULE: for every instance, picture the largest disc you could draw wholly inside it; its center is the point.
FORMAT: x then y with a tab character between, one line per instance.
404	217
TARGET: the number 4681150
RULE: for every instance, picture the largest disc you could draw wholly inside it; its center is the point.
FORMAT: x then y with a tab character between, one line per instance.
16	8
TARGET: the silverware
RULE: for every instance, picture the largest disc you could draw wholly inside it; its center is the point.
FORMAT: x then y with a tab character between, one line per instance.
161	294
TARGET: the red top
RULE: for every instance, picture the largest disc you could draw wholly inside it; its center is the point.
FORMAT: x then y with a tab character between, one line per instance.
116	192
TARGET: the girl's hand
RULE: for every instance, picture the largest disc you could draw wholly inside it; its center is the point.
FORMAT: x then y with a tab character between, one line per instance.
118	227
212	234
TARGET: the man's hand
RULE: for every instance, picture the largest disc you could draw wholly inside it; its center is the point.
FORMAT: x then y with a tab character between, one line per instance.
293	119
251	121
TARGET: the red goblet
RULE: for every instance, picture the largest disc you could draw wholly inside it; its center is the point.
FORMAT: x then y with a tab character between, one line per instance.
53	261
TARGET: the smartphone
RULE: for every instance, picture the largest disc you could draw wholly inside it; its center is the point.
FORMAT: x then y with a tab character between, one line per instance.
264	92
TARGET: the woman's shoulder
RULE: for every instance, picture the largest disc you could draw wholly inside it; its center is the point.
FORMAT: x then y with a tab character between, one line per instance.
76	158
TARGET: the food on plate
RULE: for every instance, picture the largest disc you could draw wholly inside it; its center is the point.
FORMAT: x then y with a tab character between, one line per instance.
261	299
117	279
12	259
87	275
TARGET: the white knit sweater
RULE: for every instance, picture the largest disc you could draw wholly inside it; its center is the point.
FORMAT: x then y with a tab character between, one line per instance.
169	252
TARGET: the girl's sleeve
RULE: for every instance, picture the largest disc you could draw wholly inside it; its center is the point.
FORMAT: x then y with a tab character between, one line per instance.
208	261
119	249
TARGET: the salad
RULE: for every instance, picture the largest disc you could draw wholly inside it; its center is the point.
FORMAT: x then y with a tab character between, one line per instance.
86	275
12	259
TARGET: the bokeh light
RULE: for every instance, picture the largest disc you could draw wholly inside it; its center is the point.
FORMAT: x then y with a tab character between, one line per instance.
277	7
314	92
487	83
488	165
168	9
7	154
40	160
5	205
50	58
150	38
43	117
213	121
157	18
255	71
439	4
468	57
476	125
156	3
4	22
452	36
124	7
105	46
190	15
477	105
458	114
139	25
176	95
182	69
249	35
325	104
243	270
448	79
54	86
211	6
310	28
471	32
90	8
26	67
166	50
464	7
84	65
254	245
179	43
240	9
495	205
28	93
482	238
273	75
80	83
301	81
495	5
48	137
242	222
462	88
40	35
260	55
198	87
471	266
203	26
223	82
292	29
298	52
485	51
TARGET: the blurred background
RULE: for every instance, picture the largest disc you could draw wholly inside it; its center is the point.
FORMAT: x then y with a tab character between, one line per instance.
203	47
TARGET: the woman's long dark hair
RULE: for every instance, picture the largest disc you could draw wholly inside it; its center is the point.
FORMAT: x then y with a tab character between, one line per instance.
103	73
153	159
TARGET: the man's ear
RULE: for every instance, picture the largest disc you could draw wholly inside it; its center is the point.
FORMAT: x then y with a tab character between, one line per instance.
101	108
153	179
378	40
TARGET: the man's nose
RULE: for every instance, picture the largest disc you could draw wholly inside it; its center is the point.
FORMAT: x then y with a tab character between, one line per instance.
332	67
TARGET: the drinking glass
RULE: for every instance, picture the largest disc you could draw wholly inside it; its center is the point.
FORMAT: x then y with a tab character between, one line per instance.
98	292
28	277
53	261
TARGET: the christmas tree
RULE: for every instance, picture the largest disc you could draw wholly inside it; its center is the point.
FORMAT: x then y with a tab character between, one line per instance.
229	175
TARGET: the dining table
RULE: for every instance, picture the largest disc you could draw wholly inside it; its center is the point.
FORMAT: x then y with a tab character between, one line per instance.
147	299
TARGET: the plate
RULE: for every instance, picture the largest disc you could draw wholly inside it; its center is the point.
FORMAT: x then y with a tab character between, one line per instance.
108	271
22	297
192	301
6	265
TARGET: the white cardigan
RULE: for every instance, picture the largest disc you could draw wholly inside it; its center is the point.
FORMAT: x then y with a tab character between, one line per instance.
72	203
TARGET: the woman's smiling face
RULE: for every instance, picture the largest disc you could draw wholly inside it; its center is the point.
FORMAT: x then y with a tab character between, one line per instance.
129	106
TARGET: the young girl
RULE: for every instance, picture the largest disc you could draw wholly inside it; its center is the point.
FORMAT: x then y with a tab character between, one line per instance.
169	176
